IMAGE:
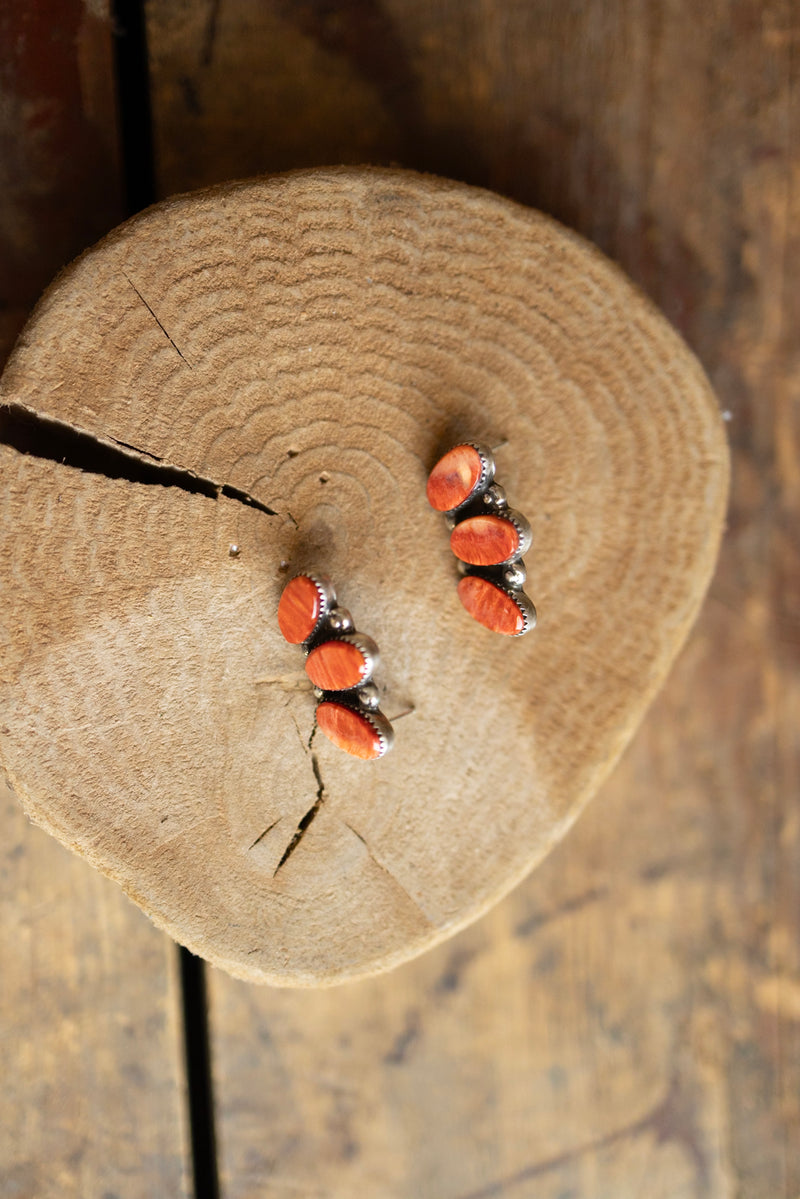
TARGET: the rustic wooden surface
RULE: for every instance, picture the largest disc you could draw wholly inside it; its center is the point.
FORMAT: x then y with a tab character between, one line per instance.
627	1022
92	1101
59	159
90	1034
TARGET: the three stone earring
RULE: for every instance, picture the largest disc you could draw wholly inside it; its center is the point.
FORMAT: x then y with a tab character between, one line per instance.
487	537
340	663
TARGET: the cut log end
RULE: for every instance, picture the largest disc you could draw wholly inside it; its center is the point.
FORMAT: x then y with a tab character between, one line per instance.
276	365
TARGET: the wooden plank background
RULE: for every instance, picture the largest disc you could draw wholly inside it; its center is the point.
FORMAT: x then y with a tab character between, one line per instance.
91	1043
627	1022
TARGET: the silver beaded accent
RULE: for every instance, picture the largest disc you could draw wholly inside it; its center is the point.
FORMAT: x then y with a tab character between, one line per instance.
369	697
515	574
340	620
495	497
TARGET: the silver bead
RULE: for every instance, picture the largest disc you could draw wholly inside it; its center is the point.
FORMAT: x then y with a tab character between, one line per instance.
495	497
369	697
515	575
340	620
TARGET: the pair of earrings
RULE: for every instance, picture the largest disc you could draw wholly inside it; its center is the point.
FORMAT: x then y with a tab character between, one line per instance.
487	537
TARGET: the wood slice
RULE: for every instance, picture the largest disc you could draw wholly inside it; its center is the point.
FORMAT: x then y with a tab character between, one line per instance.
314	341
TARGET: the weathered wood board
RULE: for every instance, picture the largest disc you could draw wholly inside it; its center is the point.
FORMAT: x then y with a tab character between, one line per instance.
664	1027
91	1043
90	1025
626	1023
59	158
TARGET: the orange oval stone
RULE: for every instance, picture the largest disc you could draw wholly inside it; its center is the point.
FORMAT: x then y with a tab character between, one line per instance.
336	666
490	606
299	609
485	540
454	478
349	730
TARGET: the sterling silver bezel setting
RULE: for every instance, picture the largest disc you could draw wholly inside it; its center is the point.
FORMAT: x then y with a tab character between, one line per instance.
522	600
525	605
524	532
488	468
381	726
518	523
484	480
366	647
327	601
374	717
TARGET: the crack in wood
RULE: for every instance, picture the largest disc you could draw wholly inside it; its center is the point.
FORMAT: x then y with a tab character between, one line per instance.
387	871
161	326
45	437
268	829
136	449
310	815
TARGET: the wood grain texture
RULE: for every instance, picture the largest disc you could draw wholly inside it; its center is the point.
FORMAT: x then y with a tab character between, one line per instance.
90	1038
91	1062
595	1034
650	997
314	341
58	145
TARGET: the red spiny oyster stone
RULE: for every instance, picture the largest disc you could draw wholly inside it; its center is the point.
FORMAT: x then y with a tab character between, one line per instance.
454	478
485	540
299	609
349	730
336	665
490	606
